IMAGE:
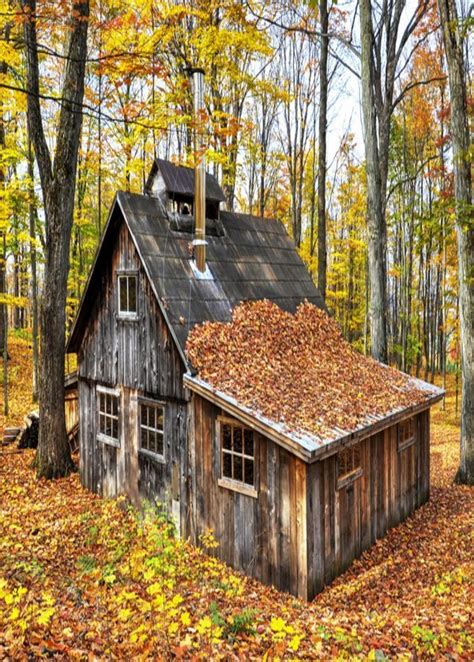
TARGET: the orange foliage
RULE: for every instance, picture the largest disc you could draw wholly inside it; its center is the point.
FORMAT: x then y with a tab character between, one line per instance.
297	369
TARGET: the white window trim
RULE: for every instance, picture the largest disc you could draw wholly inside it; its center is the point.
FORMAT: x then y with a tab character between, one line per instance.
104	438
230	483
142	400
125	314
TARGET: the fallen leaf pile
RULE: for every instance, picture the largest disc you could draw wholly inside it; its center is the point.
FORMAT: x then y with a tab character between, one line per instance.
83	578
20	373
296	370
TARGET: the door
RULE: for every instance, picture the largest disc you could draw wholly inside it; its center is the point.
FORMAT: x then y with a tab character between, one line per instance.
348	506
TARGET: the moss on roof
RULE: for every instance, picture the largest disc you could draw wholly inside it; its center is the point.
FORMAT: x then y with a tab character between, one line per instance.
297	369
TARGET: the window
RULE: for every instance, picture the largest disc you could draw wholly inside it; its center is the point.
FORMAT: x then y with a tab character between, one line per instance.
406	433
348	464
237	445
151	429
108	416
127	295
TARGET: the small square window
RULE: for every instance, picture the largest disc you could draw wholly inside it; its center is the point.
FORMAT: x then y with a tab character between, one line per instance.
152	429
127	295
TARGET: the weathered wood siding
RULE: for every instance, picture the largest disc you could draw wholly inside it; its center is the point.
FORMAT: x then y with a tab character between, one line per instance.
71	408
302	531
342	523
264	536
138	354
139	358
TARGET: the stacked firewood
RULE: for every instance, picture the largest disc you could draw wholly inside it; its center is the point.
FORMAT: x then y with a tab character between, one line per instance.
10	436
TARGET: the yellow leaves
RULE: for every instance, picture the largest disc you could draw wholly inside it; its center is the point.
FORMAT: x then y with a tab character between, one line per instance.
176	601
45	616
139	635
295	642
154	589
124	614
277	624
208	540
186	619
204	625
173	628
15	614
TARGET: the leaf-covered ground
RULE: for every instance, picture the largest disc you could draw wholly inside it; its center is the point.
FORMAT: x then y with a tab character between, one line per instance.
83	578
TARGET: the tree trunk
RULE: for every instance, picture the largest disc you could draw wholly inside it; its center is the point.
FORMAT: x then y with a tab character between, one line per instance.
375	206
323	104
453	37
58	179
3	255
5	349
34	278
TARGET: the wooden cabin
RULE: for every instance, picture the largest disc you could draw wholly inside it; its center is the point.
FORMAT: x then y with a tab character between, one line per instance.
287	509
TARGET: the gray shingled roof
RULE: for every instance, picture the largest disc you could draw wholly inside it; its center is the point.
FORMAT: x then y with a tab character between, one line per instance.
180	179
255	259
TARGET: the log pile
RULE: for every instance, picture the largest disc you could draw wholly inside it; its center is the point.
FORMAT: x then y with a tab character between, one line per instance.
30	433
10	435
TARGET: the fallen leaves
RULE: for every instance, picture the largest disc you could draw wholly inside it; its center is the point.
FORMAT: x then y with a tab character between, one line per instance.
19	382
86	578
297	370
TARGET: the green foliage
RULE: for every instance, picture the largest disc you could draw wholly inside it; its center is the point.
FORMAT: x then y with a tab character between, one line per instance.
241	623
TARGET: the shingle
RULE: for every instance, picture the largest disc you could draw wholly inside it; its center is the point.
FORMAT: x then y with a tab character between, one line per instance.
180	179
254	259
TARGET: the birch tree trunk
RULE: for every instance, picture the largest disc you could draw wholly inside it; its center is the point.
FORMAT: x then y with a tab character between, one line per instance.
454	48
323	104
32	216
375	205
58	179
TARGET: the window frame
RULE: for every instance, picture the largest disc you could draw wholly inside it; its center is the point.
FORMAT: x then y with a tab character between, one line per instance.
403	441
126	314
353	474
151	402
231	483
101	436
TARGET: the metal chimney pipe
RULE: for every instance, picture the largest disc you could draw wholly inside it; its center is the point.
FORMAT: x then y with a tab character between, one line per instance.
199	242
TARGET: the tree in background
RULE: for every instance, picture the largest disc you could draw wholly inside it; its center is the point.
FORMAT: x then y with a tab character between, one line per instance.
454	36
322	128
58	180
383	42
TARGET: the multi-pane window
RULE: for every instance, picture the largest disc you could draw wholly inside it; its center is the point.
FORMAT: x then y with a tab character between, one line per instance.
151	428
348	461
238	453
406	433
127	295
108	416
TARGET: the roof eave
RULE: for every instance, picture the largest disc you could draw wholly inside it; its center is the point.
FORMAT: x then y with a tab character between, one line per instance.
71	344
295	443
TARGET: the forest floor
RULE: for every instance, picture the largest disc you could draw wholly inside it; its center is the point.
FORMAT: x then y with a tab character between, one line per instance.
85	578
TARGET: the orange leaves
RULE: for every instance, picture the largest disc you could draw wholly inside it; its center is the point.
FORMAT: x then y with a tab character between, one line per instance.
81	578
296	369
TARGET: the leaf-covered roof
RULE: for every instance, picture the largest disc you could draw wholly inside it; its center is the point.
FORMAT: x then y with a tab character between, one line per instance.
297	371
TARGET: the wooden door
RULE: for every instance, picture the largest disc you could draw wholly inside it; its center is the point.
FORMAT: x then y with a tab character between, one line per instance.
348	523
